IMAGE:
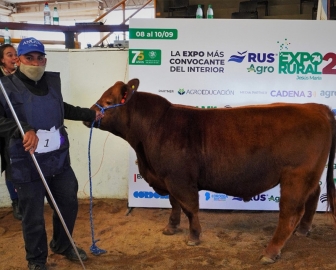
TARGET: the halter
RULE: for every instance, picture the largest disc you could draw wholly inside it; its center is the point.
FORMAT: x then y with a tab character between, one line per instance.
103	109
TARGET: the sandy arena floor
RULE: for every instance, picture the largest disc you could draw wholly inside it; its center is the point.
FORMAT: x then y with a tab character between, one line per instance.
230	240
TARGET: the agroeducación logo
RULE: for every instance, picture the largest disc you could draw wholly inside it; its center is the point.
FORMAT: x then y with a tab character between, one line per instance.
206	92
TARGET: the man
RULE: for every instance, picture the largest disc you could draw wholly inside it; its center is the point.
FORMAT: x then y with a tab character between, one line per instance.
37	100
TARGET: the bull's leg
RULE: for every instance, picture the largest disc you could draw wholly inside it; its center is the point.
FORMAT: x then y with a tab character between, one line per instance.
310	209
194	228
291	210
186	198
175	217
190	208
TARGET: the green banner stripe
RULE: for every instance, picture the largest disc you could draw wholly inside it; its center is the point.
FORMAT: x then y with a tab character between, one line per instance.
146	33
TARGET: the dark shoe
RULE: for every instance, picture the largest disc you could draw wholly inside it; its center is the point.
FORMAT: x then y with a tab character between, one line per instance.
16	209
71	255
35	266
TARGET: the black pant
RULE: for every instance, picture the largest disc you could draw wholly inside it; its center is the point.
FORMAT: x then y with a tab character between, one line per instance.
64	189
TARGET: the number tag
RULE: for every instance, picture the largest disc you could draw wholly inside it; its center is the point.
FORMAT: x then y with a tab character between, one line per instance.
48	140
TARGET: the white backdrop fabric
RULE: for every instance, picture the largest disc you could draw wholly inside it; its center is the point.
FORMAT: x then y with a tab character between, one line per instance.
221	62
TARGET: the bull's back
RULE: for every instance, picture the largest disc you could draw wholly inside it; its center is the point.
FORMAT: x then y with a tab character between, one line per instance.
252	146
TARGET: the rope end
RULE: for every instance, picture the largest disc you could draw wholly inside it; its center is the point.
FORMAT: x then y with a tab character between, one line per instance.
95	250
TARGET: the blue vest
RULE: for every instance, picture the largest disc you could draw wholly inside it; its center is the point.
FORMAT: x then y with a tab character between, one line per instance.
40	112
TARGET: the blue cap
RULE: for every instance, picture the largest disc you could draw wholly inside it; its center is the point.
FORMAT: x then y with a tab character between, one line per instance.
28	45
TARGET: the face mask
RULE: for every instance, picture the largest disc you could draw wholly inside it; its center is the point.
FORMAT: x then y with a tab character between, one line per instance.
34	73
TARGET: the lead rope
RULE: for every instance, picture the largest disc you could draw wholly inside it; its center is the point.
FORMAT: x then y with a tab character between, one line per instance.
94	249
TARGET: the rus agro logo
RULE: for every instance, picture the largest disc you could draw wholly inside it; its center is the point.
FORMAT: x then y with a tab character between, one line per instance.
258	61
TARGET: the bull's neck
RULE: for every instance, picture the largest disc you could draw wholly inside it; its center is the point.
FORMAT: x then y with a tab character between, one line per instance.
144	117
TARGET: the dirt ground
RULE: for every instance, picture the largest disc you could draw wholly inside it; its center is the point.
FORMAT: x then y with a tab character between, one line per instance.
134	240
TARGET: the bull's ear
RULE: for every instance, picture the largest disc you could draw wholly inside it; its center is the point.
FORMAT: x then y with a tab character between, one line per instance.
133	84
128	89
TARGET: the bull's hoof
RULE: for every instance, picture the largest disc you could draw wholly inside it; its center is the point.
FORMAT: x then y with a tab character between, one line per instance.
301	232
267	260
193	242
171	231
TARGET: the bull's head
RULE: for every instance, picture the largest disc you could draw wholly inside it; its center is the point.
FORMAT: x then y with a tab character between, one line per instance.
111	102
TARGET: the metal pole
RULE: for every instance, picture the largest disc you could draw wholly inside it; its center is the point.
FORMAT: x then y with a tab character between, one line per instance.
41	175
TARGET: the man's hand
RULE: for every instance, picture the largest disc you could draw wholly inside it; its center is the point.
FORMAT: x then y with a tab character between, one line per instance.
99	115
30	141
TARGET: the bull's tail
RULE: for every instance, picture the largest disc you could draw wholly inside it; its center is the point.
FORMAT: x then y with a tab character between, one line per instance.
331	191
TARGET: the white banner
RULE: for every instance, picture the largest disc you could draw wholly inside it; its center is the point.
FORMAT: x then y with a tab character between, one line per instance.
218	63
